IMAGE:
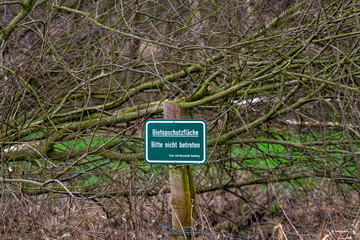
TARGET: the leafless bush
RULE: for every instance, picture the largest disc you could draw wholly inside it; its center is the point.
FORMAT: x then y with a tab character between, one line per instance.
276	81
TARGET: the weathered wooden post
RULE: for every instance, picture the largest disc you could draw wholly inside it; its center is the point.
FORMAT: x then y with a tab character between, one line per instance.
173	140
182	188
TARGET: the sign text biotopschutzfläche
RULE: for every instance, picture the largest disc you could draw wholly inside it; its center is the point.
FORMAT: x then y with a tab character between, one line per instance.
175	141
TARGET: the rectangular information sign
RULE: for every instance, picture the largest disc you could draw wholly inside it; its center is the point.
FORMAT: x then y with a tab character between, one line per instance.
175	141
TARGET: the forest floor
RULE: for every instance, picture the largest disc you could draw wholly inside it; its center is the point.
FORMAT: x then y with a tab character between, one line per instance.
249	213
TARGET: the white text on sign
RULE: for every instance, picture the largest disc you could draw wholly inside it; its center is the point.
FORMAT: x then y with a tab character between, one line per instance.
155	144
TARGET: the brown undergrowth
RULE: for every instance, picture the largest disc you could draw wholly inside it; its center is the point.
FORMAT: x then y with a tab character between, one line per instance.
284	212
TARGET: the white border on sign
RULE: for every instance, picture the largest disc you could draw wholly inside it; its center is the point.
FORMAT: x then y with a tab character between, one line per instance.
174	161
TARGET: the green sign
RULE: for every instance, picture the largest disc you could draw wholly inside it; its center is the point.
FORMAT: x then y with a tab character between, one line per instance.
174	141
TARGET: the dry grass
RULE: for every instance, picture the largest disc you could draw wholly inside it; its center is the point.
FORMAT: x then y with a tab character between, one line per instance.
310	209
283	214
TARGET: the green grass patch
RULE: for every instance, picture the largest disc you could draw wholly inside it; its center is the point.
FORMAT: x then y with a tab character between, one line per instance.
81	143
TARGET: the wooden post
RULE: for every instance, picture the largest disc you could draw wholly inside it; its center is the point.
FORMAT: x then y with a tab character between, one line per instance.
182	188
